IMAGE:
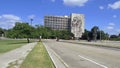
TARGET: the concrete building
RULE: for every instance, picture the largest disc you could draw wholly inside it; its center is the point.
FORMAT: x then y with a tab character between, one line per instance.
57	22
73	23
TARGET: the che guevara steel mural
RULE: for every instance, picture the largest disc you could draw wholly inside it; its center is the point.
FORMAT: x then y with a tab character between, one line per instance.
77	25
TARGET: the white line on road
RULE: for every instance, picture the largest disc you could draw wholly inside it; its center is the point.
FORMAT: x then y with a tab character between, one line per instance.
93	61
59	58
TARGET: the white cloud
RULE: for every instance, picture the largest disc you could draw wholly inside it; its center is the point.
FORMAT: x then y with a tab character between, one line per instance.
31	16
101	7
114	16
110	27
115	5
111	24
75	2
8	20
10	17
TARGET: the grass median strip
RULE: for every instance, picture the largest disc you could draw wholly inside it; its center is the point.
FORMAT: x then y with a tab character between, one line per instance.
7	45
38	58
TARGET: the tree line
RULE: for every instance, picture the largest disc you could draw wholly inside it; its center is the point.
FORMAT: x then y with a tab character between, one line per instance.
96	34
24	30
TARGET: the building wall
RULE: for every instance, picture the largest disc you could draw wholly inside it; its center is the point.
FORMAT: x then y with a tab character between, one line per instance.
57	22
77	24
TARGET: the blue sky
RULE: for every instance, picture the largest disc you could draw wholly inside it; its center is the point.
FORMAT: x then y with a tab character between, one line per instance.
102	13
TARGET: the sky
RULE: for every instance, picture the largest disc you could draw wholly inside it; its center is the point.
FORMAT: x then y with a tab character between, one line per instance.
102	13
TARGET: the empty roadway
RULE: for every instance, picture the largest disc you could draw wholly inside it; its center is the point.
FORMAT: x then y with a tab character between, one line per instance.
81	56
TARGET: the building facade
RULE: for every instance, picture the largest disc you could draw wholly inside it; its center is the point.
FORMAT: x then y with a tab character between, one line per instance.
77	24
57	22
73	23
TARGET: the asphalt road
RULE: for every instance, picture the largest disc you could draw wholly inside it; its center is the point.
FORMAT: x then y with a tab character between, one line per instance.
81	56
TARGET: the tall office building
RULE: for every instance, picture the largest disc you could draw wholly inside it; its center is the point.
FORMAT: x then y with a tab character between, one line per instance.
57	22
73	23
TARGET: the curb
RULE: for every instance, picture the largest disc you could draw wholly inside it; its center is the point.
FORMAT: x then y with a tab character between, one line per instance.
98	45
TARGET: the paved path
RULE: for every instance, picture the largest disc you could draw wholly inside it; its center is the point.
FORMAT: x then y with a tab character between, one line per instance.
80	56
17	54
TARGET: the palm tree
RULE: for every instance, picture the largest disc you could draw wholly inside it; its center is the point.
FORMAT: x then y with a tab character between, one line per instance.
119	35
94	31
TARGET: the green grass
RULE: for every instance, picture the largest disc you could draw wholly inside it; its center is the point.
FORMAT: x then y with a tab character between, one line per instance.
8	45
38	58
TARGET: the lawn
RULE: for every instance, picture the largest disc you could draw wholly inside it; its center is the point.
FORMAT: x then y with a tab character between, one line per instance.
7	45
38	58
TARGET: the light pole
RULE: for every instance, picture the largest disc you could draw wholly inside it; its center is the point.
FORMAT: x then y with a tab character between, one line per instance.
100	35
31	21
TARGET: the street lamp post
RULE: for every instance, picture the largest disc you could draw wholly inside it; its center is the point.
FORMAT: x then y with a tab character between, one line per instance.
100	35
31	21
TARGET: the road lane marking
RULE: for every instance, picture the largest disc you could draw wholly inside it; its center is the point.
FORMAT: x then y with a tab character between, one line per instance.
93	61
59	58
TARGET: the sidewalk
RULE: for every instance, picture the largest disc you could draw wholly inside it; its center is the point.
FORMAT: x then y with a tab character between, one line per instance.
16	55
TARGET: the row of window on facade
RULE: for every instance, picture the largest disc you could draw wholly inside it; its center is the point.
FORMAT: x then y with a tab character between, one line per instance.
57	17
52	23
57	20
57	27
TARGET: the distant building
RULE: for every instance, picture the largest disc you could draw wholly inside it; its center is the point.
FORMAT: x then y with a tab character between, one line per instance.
57	22
73	23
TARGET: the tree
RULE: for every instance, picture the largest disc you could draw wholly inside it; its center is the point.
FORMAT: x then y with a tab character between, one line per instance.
94	31
102	35
119	35
85	35
1	31
11	33
113	36
23	30
90	36
64	34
